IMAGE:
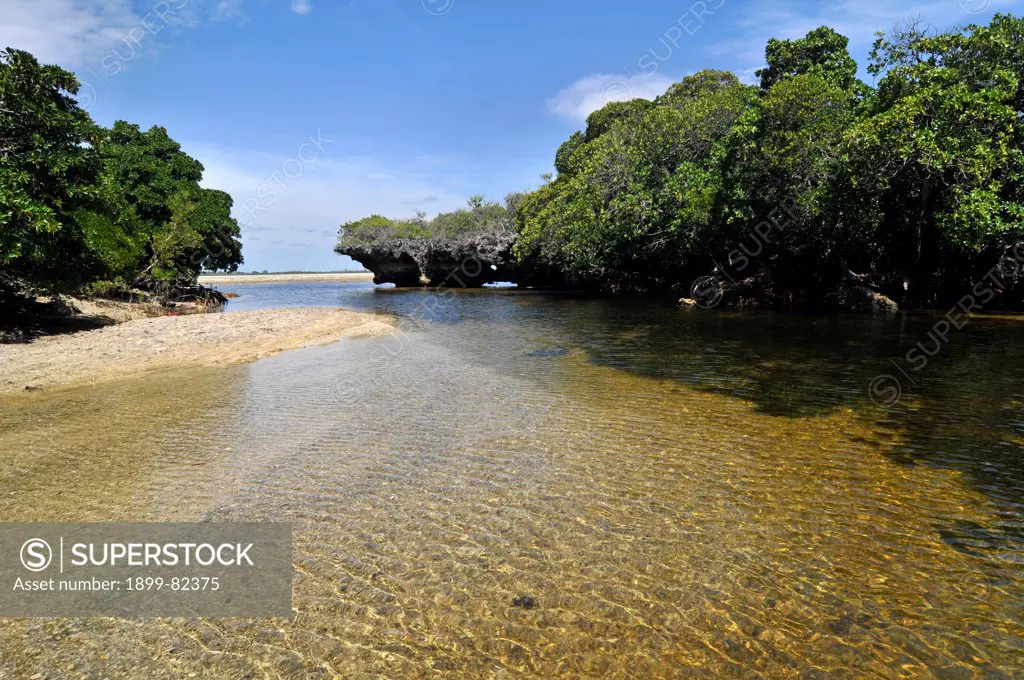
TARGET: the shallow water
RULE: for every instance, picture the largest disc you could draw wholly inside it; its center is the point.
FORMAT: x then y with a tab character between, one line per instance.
682	494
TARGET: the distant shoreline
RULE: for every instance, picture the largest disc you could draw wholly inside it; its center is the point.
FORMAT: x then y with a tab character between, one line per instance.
232	279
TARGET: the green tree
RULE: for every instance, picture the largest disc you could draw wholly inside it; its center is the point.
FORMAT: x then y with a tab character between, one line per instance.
48	173
785	167
817	179
480	217
822	51
169	228
564	163
80	204
636	189
939	156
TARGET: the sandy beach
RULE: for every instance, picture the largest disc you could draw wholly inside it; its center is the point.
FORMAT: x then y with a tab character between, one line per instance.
282	278
144	345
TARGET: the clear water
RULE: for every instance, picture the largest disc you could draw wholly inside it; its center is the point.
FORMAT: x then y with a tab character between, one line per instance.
694	495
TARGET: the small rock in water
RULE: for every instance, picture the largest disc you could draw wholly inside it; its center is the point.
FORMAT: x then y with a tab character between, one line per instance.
552	352
526	602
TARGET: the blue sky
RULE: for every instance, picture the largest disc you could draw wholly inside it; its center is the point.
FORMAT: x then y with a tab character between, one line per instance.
315	112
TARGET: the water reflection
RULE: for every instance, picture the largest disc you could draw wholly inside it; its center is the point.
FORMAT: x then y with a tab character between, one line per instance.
672	494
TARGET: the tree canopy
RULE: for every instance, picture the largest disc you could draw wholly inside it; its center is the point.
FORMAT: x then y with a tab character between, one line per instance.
479	217
82	205
913	187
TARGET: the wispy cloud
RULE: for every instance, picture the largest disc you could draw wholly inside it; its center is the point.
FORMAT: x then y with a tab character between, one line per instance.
858	20
307	211
593	92
77	33
302	6
67	32
230	10
750	26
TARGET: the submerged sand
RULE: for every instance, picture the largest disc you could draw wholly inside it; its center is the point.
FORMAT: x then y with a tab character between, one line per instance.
144	345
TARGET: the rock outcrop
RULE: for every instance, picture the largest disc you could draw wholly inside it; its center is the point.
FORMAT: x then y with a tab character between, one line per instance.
467	262
390	261
863	299
798	280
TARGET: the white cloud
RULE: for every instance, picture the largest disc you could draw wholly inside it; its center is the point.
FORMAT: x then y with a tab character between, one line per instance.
750	28
298	227
301	6
858	20
592	93
230	10
67	32
78	33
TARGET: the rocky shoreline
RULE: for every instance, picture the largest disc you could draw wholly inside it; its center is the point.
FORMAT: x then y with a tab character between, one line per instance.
468	262
474	261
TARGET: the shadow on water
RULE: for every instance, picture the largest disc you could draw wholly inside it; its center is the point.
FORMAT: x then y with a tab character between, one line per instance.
965	413
962	411
560	486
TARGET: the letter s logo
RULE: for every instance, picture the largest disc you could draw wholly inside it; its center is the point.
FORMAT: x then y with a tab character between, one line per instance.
36	554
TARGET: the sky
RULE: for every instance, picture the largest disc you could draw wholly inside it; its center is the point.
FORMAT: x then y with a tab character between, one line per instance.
312	113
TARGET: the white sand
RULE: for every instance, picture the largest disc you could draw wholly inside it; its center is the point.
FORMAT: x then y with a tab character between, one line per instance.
144	345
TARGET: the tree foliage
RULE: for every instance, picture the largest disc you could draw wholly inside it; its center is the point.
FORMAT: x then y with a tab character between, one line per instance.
938	151
822	52
479	217
80	204
47	172
171	225
914	186
637	190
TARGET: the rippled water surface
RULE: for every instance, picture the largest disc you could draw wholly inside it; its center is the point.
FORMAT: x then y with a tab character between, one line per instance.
528	485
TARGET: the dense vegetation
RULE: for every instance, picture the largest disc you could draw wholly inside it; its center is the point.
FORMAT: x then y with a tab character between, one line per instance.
83	207
809	181
479	217
469	247
793	190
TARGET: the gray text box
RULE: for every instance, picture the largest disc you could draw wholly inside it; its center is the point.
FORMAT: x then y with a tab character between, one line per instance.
146	569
